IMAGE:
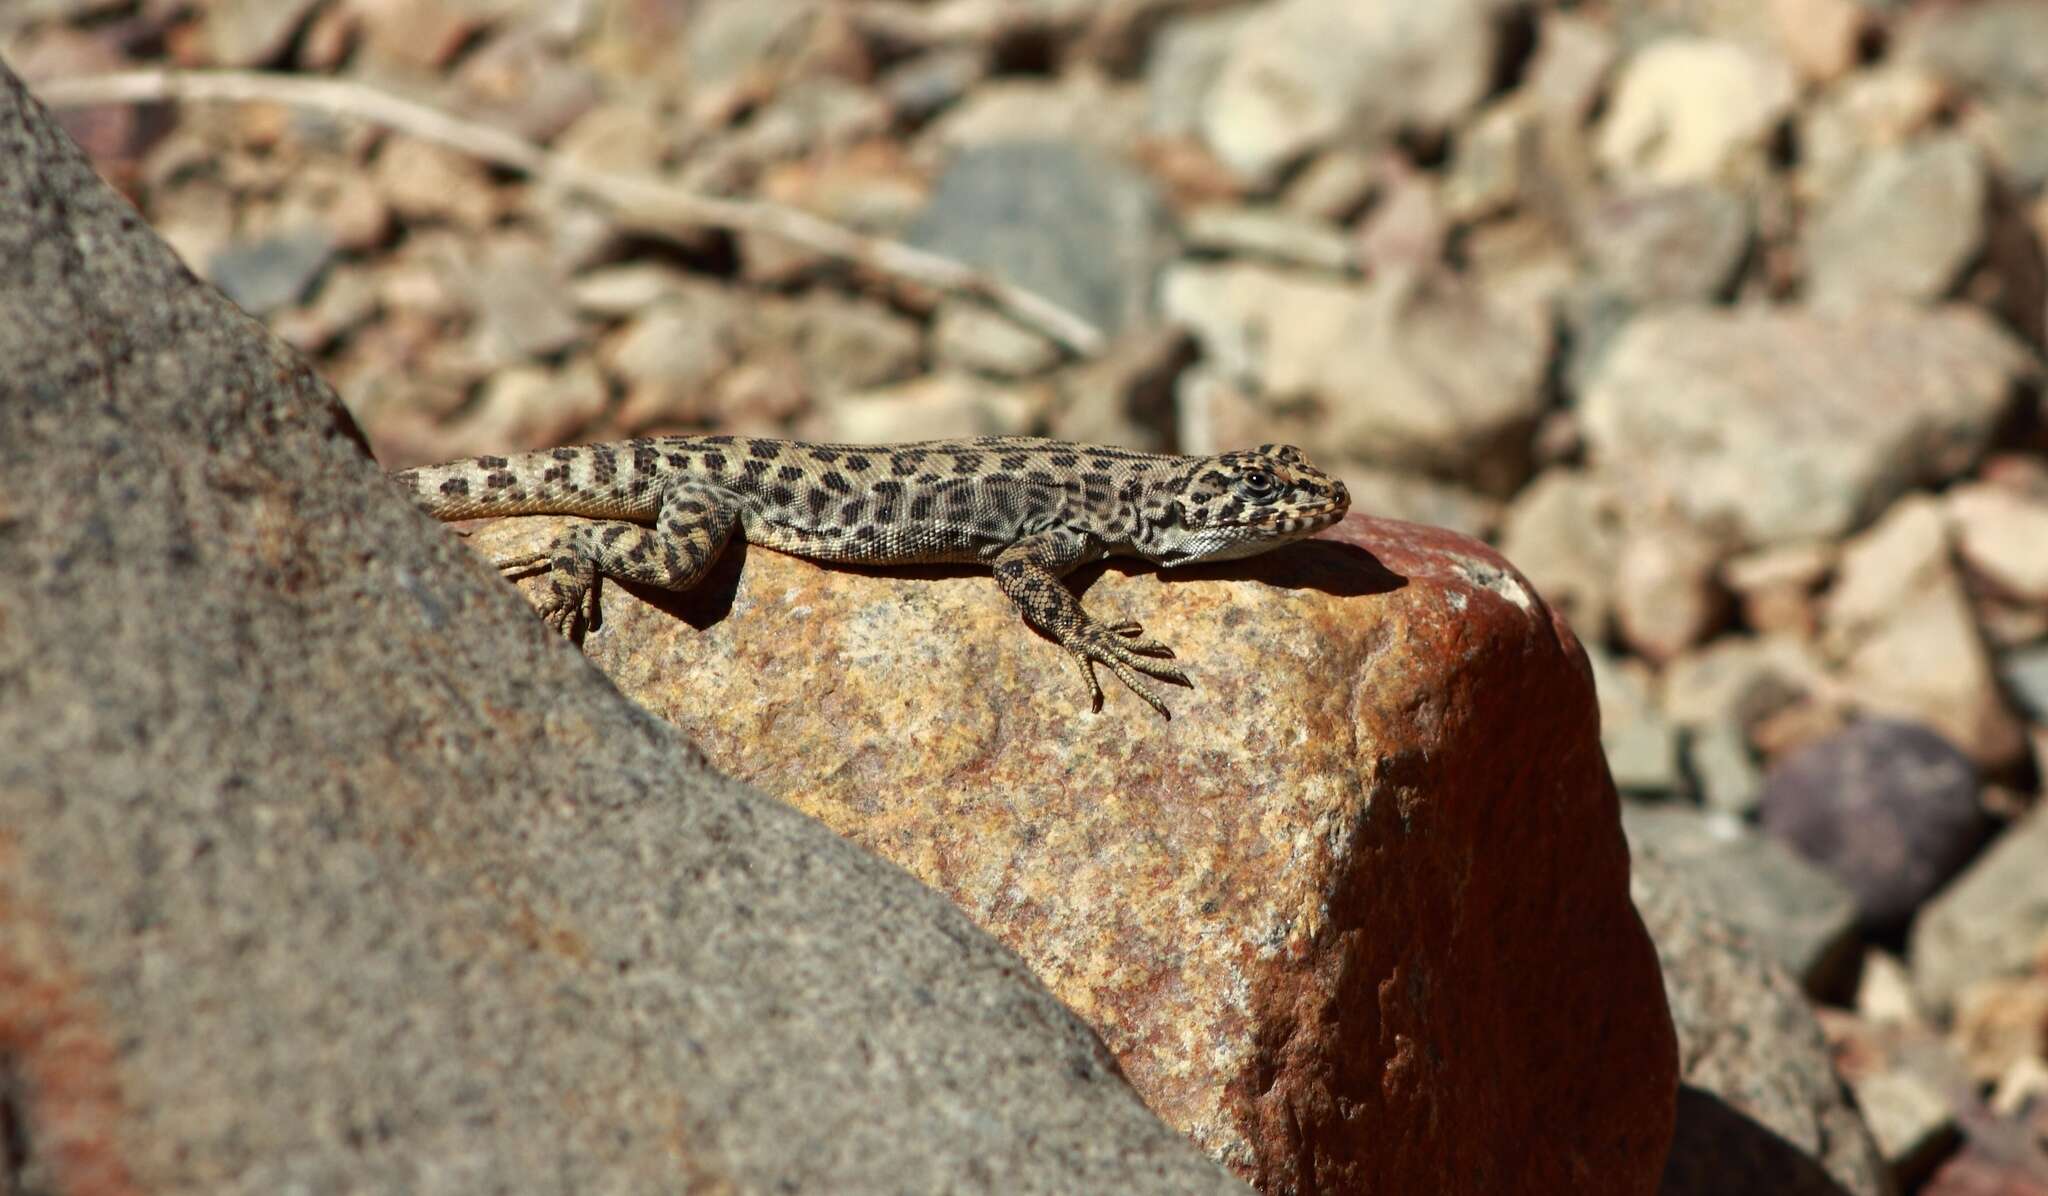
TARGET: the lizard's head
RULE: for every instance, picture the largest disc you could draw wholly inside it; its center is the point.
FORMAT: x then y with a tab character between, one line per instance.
1238	504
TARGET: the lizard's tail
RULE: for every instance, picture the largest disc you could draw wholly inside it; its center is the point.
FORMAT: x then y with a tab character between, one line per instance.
606	481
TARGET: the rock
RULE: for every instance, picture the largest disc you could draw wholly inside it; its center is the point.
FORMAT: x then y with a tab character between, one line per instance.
1083	113
1416	373
365	883
1800	918
2002	1023
1564	531
1723	770
1997	47
1759	1107
1414	497
1689	409
246	33
1822	38
1078	229
924	86
1185	59
1123	397
1999	533
845	344
426	182
1567	74
1666	597
1923	204
1303	74
1641	748
1888	808
1900	621
522	304
1694	110
1906	1105
1990	922
930	407
1978	1171
969	335
1230	949
1522	259
669	355
2025	673
1871	112
1494	157
531	407
273	271
1406	231
1777	586
1740	679
738	53
1275	234
1681	244
1335	185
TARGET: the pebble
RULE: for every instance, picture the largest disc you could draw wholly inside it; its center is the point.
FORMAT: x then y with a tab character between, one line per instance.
1990	922
1692	109
1889	808
272	272
1924	203
2002	535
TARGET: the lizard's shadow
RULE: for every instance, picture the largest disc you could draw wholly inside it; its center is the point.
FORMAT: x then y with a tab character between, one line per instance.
1342	570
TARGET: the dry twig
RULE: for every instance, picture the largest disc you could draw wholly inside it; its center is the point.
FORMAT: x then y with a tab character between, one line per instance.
644	202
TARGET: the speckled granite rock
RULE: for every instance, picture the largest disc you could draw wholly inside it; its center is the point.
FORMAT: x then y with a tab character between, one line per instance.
324	869
1346	919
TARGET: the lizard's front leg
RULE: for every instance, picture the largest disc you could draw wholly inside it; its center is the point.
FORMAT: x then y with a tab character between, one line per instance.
691	525
1029	572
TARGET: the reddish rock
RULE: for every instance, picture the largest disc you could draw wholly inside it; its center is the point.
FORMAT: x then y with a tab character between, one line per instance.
1355	920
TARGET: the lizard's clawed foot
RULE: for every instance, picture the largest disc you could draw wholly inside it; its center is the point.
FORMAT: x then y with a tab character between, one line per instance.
1127	651
571	604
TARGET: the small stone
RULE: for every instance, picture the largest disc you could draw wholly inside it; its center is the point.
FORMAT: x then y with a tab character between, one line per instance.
1822	38
845	343
1740	679
1492	161
1563	531
1082	231
1799	917
1688	408
1723	769
1992	921
1993	47
271	272
1416	373
1407	229
1884	991
532	407
1125	395
1272	233
1902	228
1568	72
1672	244
1642	749
1182	66
1303	74
1778	586
2002	535
1694	109
1977	1171
1870	111
623	290
1524	258
621	136
1084	113
738	52
346	299
424	181
1415	497
2000	1022
924	86
1901	622
1336	185
2025	673
522	304
246	33
1889	808
1908	1109
936	406
1665	592
968	335
668	356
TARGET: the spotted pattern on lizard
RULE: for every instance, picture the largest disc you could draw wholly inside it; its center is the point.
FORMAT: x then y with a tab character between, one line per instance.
1031	509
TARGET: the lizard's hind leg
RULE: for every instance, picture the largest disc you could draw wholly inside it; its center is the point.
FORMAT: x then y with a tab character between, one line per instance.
691	526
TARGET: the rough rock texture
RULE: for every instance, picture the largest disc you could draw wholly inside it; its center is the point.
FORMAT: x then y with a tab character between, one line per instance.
324	869
1697	408
1355	919
1759	1110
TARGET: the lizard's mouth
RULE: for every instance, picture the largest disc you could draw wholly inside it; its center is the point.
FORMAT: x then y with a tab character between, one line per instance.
1318	516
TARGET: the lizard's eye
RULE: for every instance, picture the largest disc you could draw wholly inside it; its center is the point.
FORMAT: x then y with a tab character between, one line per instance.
1257	483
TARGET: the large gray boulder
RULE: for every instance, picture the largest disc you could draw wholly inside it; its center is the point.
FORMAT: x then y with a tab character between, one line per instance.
324	867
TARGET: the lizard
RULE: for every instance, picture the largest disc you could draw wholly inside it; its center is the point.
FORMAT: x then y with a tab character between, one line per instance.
1031	509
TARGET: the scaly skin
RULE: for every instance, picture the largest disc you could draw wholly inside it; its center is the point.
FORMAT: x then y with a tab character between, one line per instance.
1031	509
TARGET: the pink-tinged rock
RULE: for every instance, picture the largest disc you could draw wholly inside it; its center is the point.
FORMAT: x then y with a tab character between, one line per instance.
2002	534
1356	919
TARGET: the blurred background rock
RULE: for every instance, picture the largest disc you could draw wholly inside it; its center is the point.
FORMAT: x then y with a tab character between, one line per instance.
1724	318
